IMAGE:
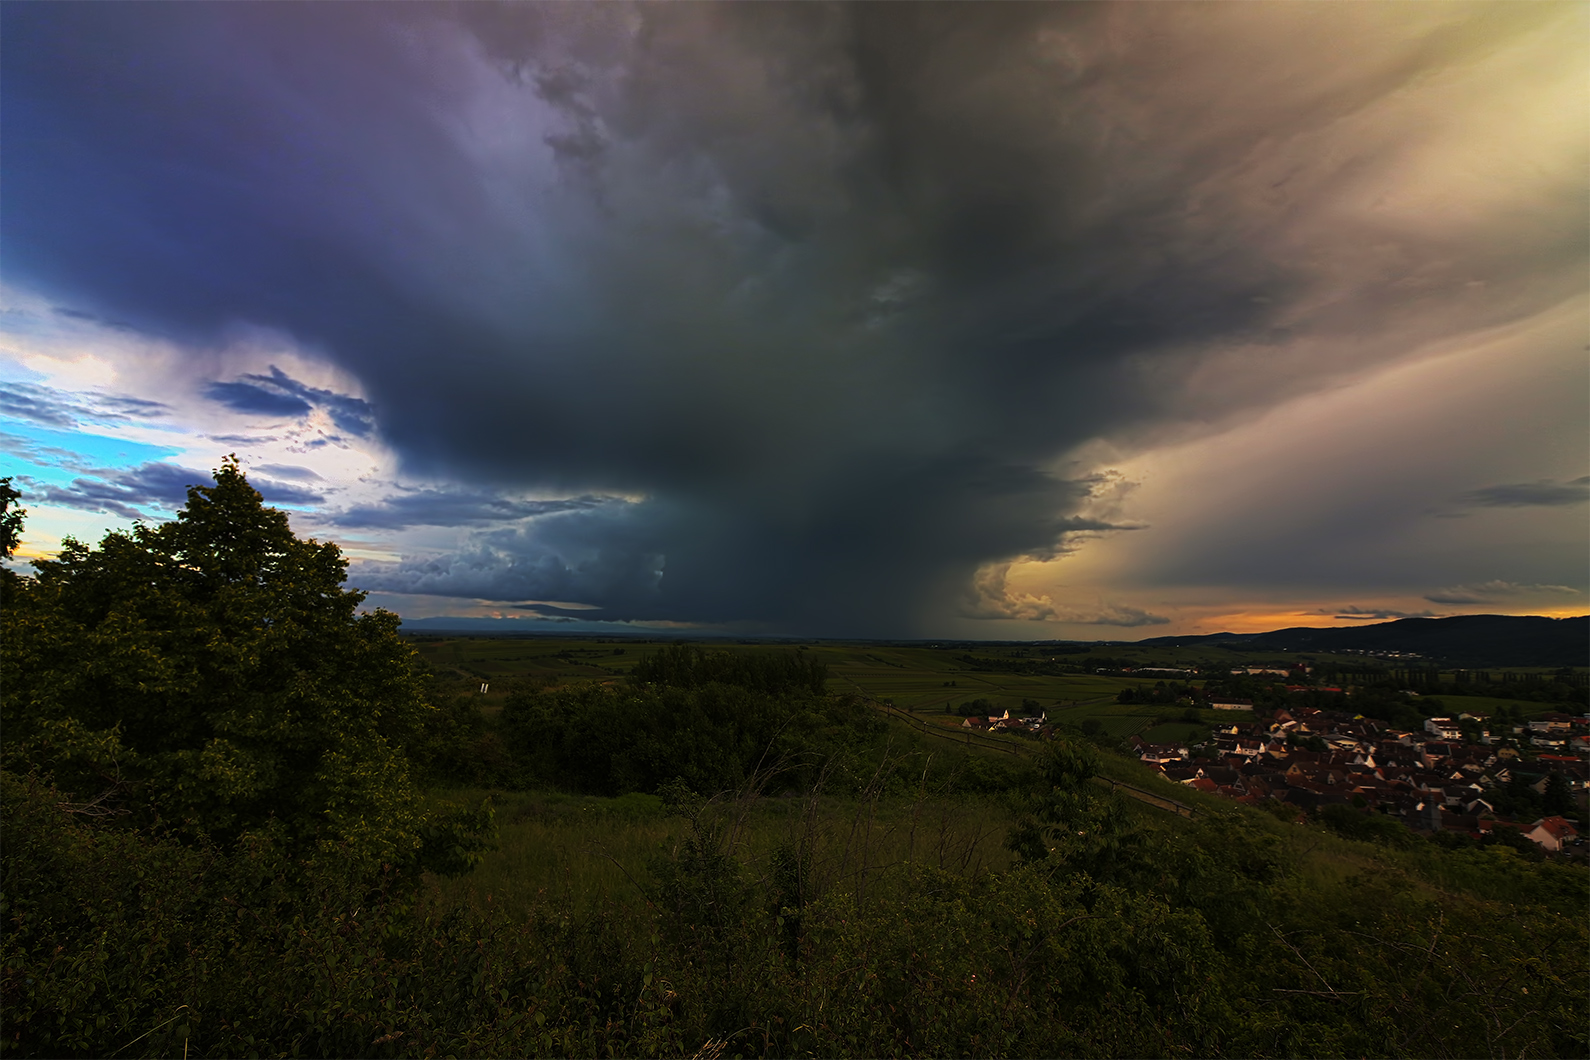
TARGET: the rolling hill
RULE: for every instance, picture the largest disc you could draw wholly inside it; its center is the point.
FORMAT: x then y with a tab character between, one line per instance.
1470	641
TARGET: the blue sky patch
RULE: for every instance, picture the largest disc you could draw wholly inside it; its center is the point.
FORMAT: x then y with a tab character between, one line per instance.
60	456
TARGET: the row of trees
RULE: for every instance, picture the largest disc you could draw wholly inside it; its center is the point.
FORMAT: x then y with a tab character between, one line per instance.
713	737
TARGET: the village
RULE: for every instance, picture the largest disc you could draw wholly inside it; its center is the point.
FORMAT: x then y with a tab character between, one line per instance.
1432	780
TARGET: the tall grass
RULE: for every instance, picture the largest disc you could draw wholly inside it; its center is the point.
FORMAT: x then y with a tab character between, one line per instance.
577	853
567	852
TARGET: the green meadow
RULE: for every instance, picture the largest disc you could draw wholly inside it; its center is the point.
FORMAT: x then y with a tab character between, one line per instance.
920	679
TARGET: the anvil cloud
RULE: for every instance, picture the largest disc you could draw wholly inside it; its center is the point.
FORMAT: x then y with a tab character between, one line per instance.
815	318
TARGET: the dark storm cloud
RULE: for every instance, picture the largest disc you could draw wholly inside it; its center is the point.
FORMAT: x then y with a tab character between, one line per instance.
246	397
279	394
1542	494
49	407
604	556
832	286
435	507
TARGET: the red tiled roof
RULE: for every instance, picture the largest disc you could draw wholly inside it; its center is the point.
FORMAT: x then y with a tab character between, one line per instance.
1556	827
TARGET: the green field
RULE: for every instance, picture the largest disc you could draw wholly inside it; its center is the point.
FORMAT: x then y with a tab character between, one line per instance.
1178	732
923	680
578	852
1484	706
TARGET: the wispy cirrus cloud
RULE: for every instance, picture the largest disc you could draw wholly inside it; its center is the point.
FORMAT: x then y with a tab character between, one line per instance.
1544	493
1493	591
50	407
37	452
1375	614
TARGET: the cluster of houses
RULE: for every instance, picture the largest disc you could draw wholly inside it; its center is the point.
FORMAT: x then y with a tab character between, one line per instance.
1431	780
1018	725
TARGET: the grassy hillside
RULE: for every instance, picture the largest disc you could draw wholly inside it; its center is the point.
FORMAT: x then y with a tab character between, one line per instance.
842	877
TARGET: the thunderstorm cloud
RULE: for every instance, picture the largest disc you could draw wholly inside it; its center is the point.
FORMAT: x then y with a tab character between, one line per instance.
796	315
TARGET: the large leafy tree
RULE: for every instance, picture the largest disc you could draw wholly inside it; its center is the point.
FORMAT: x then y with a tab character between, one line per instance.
212	673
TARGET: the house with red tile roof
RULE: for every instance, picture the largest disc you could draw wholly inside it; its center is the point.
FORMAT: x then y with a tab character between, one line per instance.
1552	832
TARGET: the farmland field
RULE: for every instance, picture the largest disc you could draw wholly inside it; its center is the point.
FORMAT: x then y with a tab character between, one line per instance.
935	682
925	681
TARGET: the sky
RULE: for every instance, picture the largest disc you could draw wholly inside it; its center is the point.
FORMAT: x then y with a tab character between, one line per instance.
1041	321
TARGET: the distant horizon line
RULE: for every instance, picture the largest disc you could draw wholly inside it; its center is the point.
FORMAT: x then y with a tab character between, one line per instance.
481	625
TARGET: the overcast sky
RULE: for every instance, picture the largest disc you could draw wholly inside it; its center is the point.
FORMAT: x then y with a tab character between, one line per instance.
1045	320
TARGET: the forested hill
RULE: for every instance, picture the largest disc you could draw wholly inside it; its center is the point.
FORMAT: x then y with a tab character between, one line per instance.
1470	641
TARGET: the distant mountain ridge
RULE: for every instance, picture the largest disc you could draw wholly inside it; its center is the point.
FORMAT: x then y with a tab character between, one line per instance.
1474	642
1470	641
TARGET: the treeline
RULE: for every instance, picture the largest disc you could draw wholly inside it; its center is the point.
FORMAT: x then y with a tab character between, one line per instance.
1386	700
713	737
709	719
1568	692
1049	667
770	673
1162	693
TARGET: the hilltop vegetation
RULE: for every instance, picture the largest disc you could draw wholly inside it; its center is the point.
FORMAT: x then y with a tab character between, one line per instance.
244	819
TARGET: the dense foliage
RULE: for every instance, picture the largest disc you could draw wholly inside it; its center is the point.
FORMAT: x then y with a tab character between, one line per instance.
1211	941
714	736
770	673
211	675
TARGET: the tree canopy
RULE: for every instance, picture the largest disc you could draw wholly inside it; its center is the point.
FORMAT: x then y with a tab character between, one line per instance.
212	674
10	518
